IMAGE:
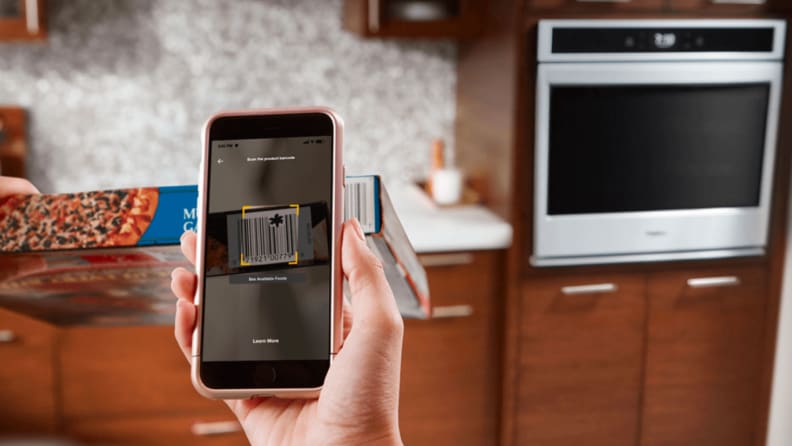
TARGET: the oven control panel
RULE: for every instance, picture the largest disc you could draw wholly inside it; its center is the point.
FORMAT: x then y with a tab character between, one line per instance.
650	40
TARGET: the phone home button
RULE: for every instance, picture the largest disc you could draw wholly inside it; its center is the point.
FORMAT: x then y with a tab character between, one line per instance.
265	375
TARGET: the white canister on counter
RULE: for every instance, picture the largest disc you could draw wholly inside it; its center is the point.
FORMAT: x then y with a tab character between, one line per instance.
446	186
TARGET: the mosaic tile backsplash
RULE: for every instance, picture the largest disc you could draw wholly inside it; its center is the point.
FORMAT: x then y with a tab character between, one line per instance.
119	91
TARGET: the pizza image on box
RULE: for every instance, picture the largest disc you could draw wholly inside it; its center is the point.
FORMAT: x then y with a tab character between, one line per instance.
72	221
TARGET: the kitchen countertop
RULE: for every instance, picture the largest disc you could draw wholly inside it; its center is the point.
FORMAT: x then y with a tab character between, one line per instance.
443	229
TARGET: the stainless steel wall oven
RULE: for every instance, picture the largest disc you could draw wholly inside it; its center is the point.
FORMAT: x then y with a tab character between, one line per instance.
655	139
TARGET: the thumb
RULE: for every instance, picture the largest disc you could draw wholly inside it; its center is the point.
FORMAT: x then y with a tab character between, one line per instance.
374	308
14	186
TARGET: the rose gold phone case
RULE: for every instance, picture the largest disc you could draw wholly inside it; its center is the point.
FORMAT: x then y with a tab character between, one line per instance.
336	325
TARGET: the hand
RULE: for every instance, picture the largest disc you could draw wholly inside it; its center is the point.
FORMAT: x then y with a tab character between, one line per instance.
22	265
358	404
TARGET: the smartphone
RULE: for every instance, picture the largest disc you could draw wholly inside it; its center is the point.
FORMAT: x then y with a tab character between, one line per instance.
269	288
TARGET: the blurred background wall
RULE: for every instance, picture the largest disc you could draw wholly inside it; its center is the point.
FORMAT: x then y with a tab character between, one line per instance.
119	91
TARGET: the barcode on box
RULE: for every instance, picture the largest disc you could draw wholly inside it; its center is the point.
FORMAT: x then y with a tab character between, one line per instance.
359	202
267	237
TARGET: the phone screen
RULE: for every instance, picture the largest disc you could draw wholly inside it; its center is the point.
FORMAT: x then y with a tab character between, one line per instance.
267	256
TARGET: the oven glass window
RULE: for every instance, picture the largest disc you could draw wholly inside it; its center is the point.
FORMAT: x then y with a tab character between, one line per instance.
645	148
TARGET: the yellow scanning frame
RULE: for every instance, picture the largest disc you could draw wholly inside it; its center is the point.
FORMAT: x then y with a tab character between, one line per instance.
242	261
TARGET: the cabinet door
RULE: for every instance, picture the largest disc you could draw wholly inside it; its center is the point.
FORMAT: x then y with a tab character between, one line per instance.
408	18
595	6
580	362
27	375
450	391
703	357
162	430
120	371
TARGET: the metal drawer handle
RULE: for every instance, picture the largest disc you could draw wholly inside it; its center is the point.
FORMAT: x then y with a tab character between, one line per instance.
32	16
589	289
708	282
452	311
205	429
462	258
7	336
603	1
738	2
374	15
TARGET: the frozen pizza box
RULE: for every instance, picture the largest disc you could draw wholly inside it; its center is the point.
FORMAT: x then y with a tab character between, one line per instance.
105	257
101	257
366	199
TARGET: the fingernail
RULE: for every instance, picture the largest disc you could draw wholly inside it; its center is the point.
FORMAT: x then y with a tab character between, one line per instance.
358	230
184	234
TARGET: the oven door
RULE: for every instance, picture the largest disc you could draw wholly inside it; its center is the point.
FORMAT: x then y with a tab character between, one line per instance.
653	161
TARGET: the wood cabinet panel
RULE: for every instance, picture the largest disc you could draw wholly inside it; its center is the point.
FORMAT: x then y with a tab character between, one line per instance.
597	5
779	6
392	18
27	25
719	6
114	371
580	360
154	431
27	375
450	388
703	357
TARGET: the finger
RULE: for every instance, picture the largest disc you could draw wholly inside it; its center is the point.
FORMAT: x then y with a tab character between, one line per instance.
188	240
13	186
184	284
372	299
184	324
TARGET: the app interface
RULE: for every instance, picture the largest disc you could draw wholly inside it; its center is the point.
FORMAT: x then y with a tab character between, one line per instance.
267	256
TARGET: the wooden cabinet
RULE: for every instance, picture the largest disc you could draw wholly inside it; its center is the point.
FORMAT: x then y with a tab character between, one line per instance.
581	343
645	358
13	141
704	356
451	364
27	375
22	20
720	6
730	7
414	18
596	6
131	385
156	431
141	367
783	6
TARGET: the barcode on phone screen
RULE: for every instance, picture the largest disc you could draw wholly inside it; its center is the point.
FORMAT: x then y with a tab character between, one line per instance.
268	237
359	201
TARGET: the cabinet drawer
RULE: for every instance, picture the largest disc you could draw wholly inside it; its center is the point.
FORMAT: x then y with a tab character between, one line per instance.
580	360
706	332
596	5
175	430
27	378
450	369
110	371
457	278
